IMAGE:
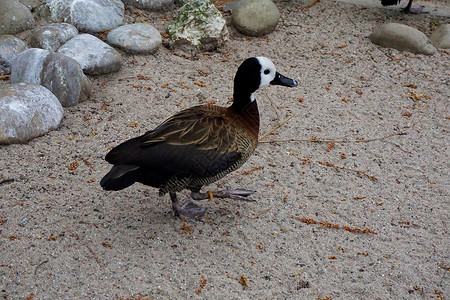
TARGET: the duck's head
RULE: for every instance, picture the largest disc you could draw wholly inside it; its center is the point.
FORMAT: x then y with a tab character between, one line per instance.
254	73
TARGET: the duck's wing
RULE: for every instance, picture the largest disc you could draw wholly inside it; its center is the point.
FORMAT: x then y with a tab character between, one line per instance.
199	141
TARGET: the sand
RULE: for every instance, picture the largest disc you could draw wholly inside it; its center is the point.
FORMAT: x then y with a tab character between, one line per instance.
365	217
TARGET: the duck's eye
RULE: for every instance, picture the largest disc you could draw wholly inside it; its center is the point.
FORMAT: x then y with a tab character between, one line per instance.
267	71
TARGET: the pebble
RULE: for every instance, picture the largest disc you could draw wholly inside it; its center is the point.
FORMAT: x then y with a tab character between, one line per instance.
14	17
94	56
136	38
27	111
403	38
255	17
441	37
10	47
60	74
52	36
198	25
150	4
88	15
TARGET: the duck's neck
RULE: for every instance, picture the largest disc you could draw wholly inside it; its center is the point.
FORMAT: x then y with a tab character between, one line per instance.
245	109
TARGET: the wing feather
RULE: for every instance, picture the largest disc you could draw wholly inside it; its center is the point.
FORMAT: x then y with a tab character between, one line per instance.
197	142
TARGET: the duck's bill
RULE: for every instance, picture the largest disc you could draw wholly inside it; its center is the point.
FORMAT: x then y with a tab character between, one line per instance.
283	80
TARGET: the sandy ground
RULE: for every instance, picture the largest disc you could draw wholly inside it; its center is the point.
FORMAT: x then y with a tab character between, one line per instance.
63	237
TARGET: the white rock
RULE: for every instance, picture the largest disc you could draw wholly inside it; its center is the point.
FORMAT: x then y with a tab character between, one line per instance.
136	38
198	25
88	15
27	111
94	56
441	37
403	38
255	17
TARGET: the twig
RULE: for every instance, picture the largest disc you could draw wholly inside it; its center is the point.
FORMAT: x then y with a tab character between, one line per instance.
38	266
7	180
336	141
86	244
276	127
314	140
259	214
314	2
273	106
328	164
331	225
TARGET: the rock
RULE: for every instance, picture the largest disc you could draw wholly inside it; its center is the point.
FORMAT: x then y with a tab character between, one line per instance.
14	17
27	111
255	17
60	74
403	38
10	46
441	37
150	4
52	36
198	25
32	4
136	38
94	56
88	15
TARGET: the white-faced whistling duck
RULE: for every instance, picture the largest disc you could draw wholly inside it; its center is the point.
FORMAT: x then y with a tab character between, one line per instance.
198	145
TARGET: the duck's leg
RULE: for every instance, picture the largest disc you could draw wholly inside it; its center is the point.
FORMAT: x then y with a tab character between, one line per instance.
409	10
187	210
237	194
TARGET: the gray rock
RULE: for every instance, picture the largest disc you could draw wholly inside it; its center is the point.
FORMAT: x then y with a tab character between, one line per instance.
10	47
88	15
403	38
94	56
28	66
150	4
31	4
14	17
198	25
255	17
27	111
60	74
136	38
441	37
52	36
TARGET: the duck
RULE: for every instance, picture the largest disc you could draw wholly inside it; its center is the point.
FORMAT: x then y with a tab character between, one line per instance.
408	9
198	145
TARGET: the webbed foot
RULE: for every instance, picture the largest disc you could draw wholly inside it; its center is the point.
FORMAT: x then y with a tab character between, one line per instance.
188	210
237	194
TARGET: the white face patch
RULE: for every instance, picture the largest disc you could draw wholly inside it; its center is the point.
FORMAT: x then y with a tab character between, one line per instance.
267	71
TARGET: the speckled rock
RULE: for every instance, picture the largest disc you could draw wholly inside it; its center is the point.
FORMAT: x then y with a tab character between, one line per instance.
198	25
60	74
94	56
88	15
403	38
150	4
10	47
255	17
52	36
136	38
27	111
14	17
441	37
